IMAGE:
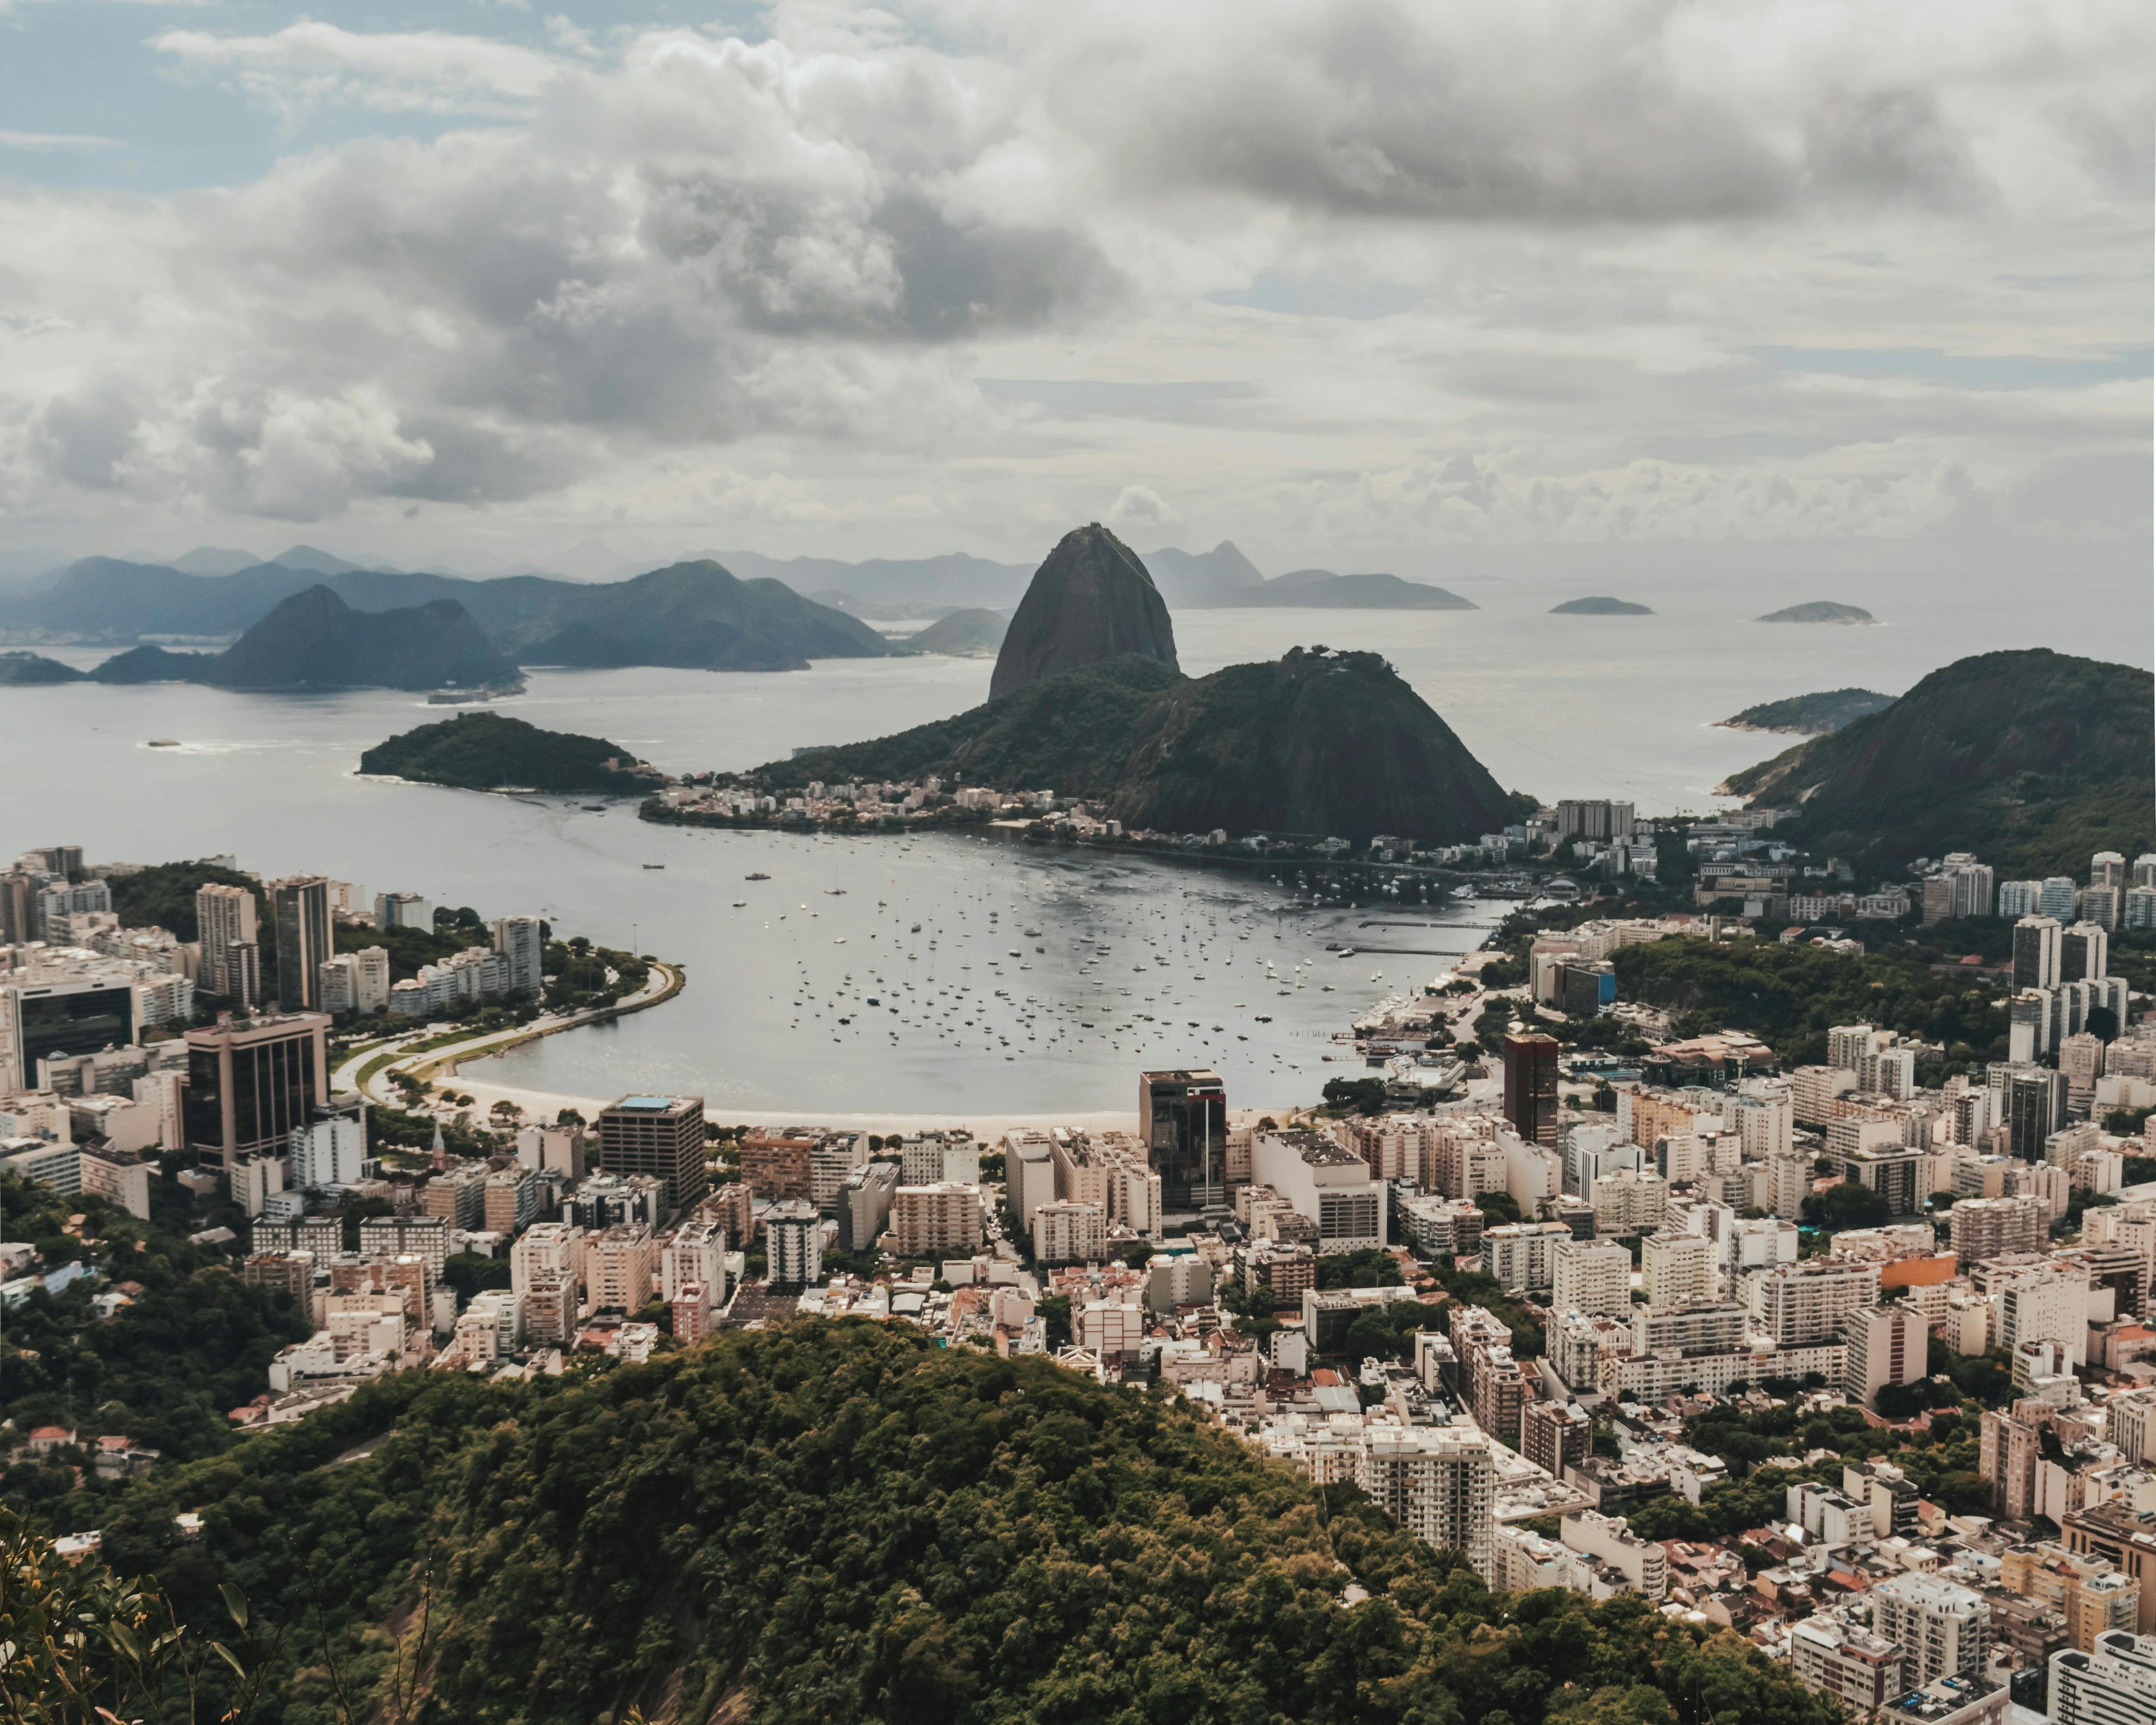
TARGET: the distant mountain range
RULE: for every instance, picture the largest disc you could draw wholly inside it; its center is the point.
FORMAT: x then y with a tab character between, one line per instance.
696	615
2032	759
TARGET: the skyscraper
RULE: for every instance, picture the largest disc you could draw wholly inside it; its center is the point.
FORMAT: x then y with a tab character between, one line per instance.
2035	1108
2056	898
250	1084
2084	951
222	916
302	906
521	940
2036	949
1184	1117
1531	1086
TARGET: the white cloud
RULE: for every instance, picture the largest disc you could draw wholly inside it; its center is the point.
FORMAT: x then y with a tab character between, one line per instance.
46	142
1359	278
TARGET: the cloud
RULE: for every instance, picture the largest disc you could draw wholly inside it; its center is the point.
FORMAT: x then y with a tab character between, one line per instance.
43	141
1366	275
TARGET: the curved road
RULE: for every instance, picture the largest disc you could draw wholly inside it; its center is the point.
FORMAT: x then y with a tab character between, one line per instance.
664	980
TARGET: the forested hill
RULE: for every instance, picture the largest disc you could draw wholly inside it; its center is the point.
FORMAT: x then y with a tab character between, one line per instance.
845	1522
2033	759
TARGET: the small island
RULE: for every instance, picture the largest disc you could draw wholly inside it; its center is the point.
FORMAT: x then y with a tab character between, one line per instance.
490	751
1600	605
1819	611
1810	715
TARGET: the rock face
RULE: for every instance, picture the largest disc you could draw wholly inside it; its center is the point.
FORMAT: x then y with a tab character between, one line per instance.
2033	759
1315	742
1091	600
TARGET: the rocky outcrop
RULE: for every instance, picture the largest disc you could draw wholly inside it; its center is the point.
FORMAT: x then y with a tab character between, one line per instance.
1091	600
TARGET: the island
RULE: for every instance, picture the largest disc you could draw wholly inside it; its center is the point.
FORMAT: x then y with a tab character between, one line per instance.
1819	611
23	671
1600	605
1810	715
487	752
972	632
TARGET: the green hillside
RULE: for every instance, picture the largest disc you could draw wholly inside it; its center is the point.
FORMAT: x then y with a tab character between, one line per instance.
845	1522
1810	715
482	752
2033	759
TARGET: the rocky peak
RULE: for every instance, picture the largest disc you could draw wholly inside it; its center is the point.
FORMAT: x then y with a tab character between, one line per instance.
1092	599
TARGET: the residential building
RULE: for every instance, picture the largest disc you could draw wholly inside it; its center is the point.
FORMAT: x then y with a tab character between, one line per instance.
326	1153
694	1257
1799	1305
2045	1301
552	1150
1629	1202
1643	1563
864	1206
1520	1254
931	1221
2126	1539
1887	1344
1184	1117
620	1264
1555	1435
663	1137
1436	1481
1590	1276
2095	1599
793	1243
522	941
1863	1671
1674	1268
2114	1683
510	1199
546	1251
1982	1228
1029	1174
402	910
1064	1232
831	1164
1941	1627
225	917
775	1164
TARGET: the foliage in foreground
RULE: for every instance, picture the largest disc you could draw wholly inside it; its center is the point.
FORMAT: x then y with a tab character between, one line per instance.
844	1520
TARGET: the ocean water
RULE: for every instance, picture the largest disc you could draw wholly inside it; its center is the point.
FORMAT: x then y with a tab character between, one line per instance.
1131	963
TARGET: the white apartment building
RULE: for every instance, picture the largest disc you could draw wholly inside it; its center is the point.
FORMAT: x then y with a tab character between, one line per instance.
618	1266
1887	1344
1628	1202
1437	1483
1064	1232
1982	1228
546	1251
1593	1276
1641	1562
930	1220
326	1156
1519	1253
2045	1301
1802	1305
793	1242
696	1256
1677	1267
1942	1629
1863	1671
521	941
2114	1683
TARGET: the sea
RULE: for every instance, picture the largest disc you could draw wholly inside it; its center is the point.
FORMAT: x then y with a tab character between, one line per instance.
936	975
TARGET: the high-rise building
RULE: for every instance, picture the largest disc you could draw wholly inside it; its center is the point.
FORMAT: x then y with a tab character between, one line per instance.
1943	1628
1184	1117
1887	1344
1555	1435
2107	867
302	906
402	910
1436	1481
931	1221
522	941
2144	870
2100	904
224	915
1674	1268
663	1137
1591	1276
61	1013
2084	951
2035	1108
1799	1305
2020	898
2140	910
793	1243
2055	898
1068	1233
1984	1228
2114	1683
2036	949
327	1154
249	1084
1531	1086
1593	818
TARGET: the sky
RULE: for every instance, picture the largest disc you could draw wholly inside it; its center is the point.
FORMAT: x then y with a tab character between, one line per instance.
1502	288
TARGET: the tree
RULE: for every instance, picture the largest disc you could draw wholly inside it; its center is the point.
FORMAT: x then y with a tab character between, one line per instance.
2101	1023
1850	1205
1363	1095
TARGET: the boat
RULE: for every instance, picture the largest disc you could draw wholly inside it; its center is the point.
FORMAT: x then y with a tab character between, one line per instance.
739	903
654	865
834	892
164	742
595	809
756	877
916	929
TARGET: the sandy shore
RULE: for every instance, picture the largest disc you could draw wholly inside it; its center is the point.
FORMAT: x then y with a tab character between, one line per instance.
544	1105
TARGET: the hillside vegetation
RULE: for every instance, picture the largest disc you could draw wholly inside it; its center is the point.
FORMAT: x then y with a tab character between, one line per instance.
1810	715
844	1521
481	751
2033	759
